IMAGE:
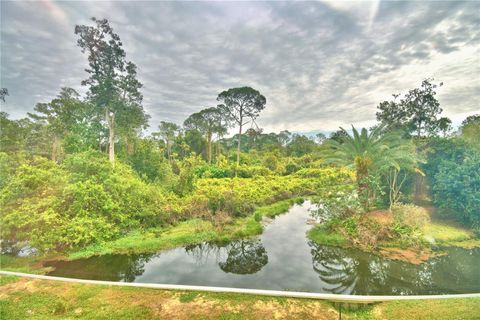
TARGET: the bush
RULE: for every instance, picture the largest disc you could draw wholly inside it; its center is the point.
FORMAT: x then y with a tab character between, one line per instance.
244	171
239	196
29	203
291	167
330	173
53	208
212	171
343	203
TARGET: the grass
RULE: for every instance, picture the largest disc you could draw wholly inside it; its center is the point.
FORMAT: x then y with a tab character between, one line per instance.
22	264
443	233
40	299
445	309
322	235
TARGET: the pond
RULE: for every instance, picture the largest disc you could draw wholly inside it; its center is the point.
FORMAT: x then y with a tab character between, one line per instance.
282	258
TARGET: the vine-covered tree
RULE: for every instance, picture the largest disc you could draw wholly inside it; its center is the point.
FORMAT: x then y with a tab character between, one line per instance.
241	105
112	82
208	121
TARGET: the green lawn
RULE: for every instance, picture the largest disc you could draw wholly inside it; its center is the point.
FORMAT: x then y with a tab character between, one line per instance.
22	298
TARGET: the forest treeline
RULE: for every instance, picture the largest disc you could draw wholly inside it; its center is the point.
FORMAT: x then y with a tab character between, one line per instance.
81	170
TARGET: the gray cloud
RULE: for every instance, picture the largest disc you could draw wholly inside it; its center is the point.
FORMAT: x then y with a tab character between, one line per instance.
320	65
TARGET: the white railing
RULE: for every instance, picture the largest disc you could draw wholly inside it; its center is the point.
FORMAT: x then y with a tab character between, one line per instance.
273	293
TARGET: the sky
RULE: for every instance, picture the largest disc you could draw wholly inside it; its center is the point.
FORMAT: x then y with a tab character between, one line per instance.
320	65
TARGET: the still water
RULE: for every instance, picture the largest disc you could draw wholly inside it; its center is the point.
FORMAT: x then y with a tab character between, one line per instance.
282	258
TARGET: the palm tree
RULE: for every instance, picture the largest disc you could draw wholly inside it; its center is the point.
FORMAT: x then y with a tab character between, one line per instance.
369	152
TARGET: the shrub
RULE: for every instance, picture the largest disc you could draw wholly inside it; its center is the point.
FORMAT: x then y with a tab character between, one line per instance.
331	174
212	171
244	171
28	204
343	203
53	208
291	167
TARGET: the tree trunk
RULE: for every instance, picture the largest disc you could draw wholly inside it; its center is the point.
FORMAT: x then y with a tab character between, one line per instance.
169	152
55	148
209	151
111	138
239	139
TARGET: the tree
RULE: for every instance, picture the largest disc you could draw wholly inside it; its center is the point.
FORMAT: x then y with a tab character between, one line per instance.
60	116
300	145
253	135
284	137
208	121
3	93
470	130
320	137
471	119
368	152
241	105
113	86
417	113
444	125
403	161
168	131
338	136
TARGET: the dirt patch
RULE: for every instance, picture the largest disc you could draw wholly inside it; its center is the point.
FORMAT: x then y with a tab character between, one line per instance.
383	217
23	285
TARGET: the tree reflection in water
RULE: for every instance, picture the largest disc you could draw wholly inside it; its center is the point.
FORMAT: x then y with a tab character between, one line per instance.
203	251
134	267
239	257
350	272
244	257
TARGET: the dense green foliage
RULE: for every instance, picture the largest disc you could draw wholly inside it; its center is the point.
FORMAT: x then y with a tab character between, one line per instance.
86	200
457	188
81	201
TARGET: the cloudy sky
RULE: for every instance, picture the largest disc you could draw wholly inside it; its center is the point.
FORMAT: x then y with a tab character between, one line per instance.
320	64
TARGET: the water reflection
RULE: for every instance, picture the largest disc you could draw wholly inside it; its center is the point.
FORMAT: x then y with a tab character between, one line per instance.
109	267
283	259
346	274
349	271
244	257
238	257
